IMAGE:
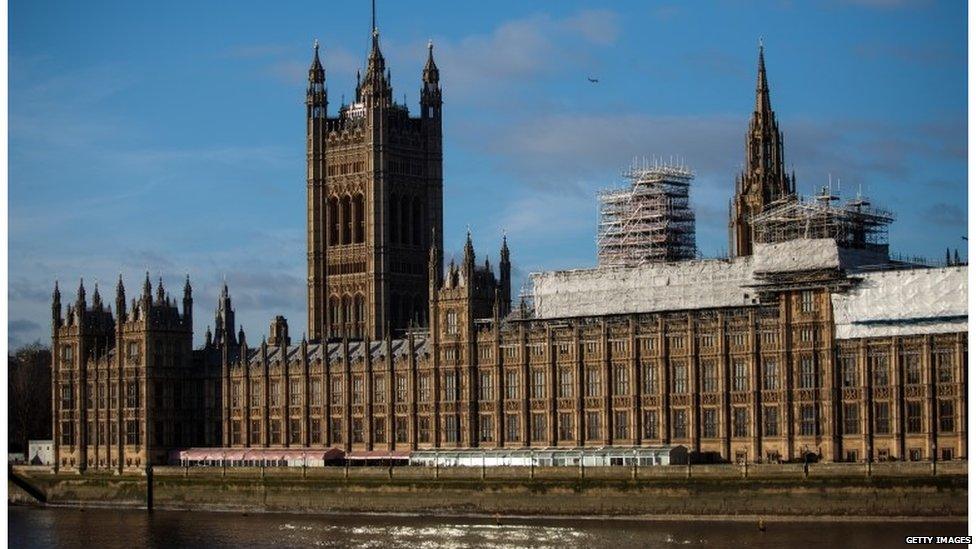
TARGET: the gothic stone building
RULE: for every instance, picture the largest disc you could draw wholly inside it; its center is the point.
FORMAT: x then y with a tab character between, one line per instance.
805	348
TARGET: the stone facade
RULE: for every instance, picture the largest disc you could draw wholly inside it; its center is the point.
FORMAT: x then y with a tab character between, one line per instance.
737	359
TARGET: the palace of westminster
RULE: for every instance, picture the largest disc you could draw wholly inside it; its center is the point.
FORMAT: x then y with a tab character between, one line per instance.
808	342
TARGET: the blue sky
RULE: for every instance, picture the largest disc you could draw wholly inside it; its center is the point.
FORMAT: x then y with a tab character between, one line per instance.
171	136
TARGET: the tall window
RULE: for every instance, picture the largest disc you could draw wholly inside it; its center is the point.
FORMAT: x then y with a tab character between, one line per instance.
740	421
594	430
848	371
943	366
379	429
450	386
357	429
650	377
770	374
295	392
423	388
257	396
452	323
423	429
680	377
295	431
621	424
879	369
593	382
740	379
808	420
485	386
709	423
709	381
401	429
538	383
913	411
808	373
770	421
255	431
947	416
852	418
275	431
511	427
511	384
274	392
565	426
235	432
807	302
650	424
565	383
315	431
357	389
401	388
379	389
882	418
538	427
336	390
486	422
913	369
336	430
316	388
621	379
67	390
679	423
132	432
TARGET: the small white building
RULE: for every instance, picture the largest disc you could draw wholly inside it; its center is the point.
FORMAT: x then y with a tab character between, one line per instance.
40	452
552	457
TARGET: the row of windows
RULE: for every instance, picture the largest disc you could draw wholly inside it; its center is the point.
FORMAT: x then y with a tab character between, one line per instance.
881	373
131	395
810	377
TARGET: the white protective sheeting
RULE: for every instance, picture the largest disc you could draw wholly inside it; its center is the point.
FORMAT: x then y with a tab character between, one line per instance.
699	284
903	302
808	254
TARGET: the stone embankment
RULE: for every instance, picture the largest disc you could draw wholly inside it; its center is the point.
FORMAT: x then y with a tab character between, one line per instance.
821	490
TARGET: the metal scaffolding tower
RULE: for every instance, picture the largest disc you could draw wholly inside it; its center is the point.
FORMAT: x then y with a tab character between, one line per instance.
854	224
650	219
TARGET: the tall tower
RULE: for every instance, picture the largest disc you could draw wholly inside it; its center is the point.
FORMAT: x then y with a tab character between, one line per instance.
374	202
764	179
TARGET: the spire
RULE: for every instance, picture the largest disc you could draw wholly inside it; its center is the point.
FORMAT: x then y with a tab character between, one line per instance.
504	255
56	306
431	74
81	294
316	74
56	296
187	289
375	83
468	248
147	287
96	298
762	86
160	292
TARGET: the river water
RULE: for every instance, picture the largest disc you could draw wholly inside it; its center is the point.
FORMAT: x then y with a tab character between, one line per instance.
98	528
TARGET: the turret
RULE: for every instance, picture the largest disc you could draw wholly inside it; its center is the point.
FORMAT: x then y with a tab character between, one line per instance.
160	293
188	303
279	332
120	300
467	262
430	93
505	278
56	308
146	290
80	304
224	320
96	299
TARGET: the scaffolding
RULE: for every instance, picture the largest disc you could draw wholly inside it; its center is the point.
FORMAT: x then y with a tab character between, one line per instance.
650	219
853	224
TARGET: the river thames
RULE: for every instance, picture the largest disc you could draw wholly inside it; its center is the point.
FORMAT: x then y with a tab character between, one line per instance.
97	528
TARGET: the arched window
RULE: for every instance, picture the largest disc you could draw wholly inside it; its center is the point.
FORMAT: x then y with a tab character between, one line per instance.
359	314
346	220
346	313
333	221
418	223
394	219
334	315
405	220
357	211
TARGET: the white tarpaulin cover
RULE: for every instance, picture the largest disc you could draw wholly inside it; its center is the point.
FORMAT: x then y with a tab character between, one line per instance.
698	284
903	302
807	254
